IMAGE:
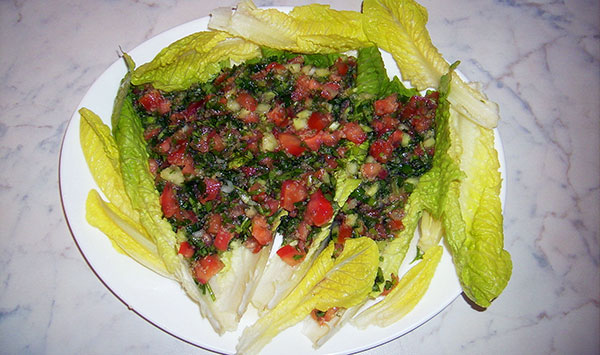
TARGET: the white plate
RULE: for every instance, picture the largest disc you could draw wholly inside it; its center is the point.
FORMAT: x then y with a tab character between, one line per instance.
162	301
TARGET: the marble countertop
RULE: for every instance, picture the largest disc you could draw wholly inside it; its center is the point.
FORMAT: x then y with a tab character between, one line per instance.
538	60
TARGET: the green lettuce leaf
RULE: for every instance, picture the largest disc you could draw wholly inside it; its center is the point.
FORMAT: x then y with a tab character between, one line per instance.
341	281
139	184
398	26
192	59
306	29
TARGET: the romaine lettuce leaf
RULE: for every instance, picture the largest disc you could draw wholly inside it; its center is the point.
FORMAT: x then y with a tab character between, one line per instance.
341	281
123	233
398	26
192	59
306	29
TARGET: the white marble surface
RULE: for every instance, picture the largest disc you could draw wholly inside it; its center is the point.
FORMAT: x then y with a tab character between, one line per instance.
538	59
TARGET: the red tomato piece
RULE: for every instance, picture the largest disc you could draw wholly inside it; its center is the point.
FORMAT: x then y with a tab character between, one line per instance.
186	249
213	188
291	143
371	170
318	120
168	201
386	106
222	239
318	210
165	146
154	101
151	132
246	101
214	223
292	191
217	142
344	233
381	150
275	66
290	255
330	90
278	115
421	123
260	229
207	267
177	155
354	133
153	166
314	142
396	137
342	68
188	165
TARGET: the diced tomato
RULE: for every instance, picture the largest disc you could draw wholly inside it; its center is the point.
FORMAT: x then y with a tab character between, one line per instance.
217	142
322	320
371	170
314	142
275	66
164	146
421	123
342	68
290	255
188	165
222	239
154	101
271	204
153	166
278	115
396	137
151	132
381	150
330	138
330	90
291	143
214	223
177	155
354	133
192	109
187	215
186	249
318	120
207	267
385	124
168	201
318	210
292	191
260	229
213	187
386	106
344	233
246	101
304	85
251	117
303	231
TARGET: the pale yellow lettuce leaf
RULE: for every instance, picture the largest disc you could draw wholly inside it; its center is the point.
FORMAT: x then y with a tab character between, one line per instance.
121	231
404	297
306	29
